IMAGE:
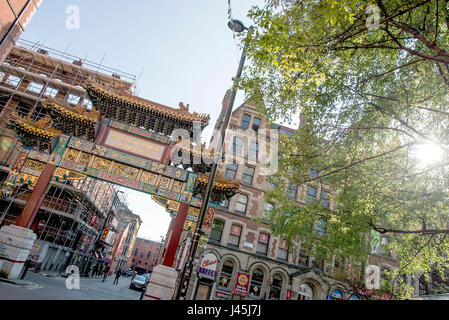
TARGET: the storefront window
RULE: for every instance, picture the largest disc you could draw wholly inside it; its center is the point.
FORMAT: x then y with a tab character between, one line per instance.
226	274
276	287
256	283
305	292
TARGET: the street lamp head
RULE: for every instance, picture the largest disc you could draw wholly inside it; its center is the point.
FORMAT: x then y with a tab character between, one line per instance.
236	26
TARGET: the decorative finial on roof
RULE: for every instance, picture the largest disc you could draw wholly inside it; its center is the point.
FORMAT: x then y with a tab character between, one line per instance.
184	108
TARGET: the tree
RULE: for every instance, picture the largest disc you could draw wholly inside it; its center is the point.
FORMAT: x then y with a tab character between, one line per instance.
370	79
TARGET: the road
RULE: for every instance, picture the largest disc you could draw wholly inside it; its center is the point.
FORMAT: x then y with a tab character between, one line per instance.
40	287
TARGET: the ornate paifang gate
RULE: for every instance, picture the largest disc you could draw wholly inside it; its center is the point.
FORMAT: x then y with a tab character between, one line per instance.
84	144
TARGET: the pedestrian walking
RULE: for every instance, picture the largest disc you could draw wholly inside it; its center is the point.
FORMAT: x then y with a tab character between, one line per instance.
118	273
105	272
26	266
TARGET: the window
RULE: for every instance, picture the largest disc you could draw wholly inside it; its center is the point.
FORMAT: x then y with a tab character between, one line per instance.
339	264
224	203
375	242
383	248
286	131
87	103
217	230
245	121
262	244
23	109
321	227
292	190
13	80
305	292
35	87
231	170
73	99
51	92
248	174
234	236
276	287
354	297
256	283
314	173
38	113
318	263
135	252
242	202
268	207
149	254
283	251
253	150
256	124
311	194
237	145
303	258
226	274
272	185
325	199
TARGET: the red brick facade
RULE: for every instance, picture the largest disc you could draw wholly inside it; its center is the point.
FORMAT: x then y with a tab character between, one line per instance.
145	255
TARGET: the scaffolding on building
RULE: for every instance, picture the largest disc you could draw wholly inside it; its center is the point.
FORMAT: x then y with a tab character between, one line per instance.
33	72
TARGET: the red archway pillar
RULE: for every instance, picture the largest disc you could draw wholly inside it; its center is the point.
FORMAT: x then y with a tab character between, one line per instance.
175	236
37	196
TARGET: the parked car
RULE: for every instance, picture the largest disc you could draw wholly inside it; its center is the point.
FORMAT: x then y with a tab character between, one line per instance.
138	283
147	276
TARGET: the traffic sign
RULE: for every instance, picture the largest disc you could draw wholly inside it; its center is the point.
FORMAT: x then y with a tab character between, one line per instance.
41	224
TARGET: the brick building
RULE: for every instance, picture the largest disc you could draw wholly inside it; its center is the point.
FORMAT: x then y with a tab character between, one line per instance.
14	17
239	244
145	255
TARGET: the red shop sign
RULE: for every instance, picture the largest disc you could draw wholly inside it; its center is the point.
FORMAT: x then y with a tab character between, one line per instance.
241	285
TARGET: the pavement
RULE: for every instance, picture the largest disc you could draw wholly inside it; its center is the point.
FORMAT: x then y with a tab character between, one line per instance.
46	286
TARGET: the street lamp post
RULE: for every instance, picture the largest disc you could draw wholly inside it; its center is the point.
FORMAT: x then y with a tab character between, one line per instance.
236	26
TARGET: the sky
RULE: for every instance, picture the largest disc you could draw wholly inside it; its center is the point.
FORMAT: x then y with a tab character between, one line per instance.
180	51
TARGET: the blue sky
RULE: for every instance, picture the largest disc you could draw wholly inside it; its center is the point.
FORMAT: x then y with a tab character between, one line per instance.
185	49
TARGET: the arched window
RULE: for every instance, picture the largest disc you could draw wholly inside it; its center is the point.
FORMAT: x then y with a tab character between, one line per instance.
305	292
354	297
276	287
268	207
335	295
242	202
256	283
226	274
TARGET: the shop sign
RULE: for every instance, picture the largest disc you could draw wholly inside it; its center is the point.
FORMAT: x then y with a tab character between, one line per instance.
208	266
241	285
